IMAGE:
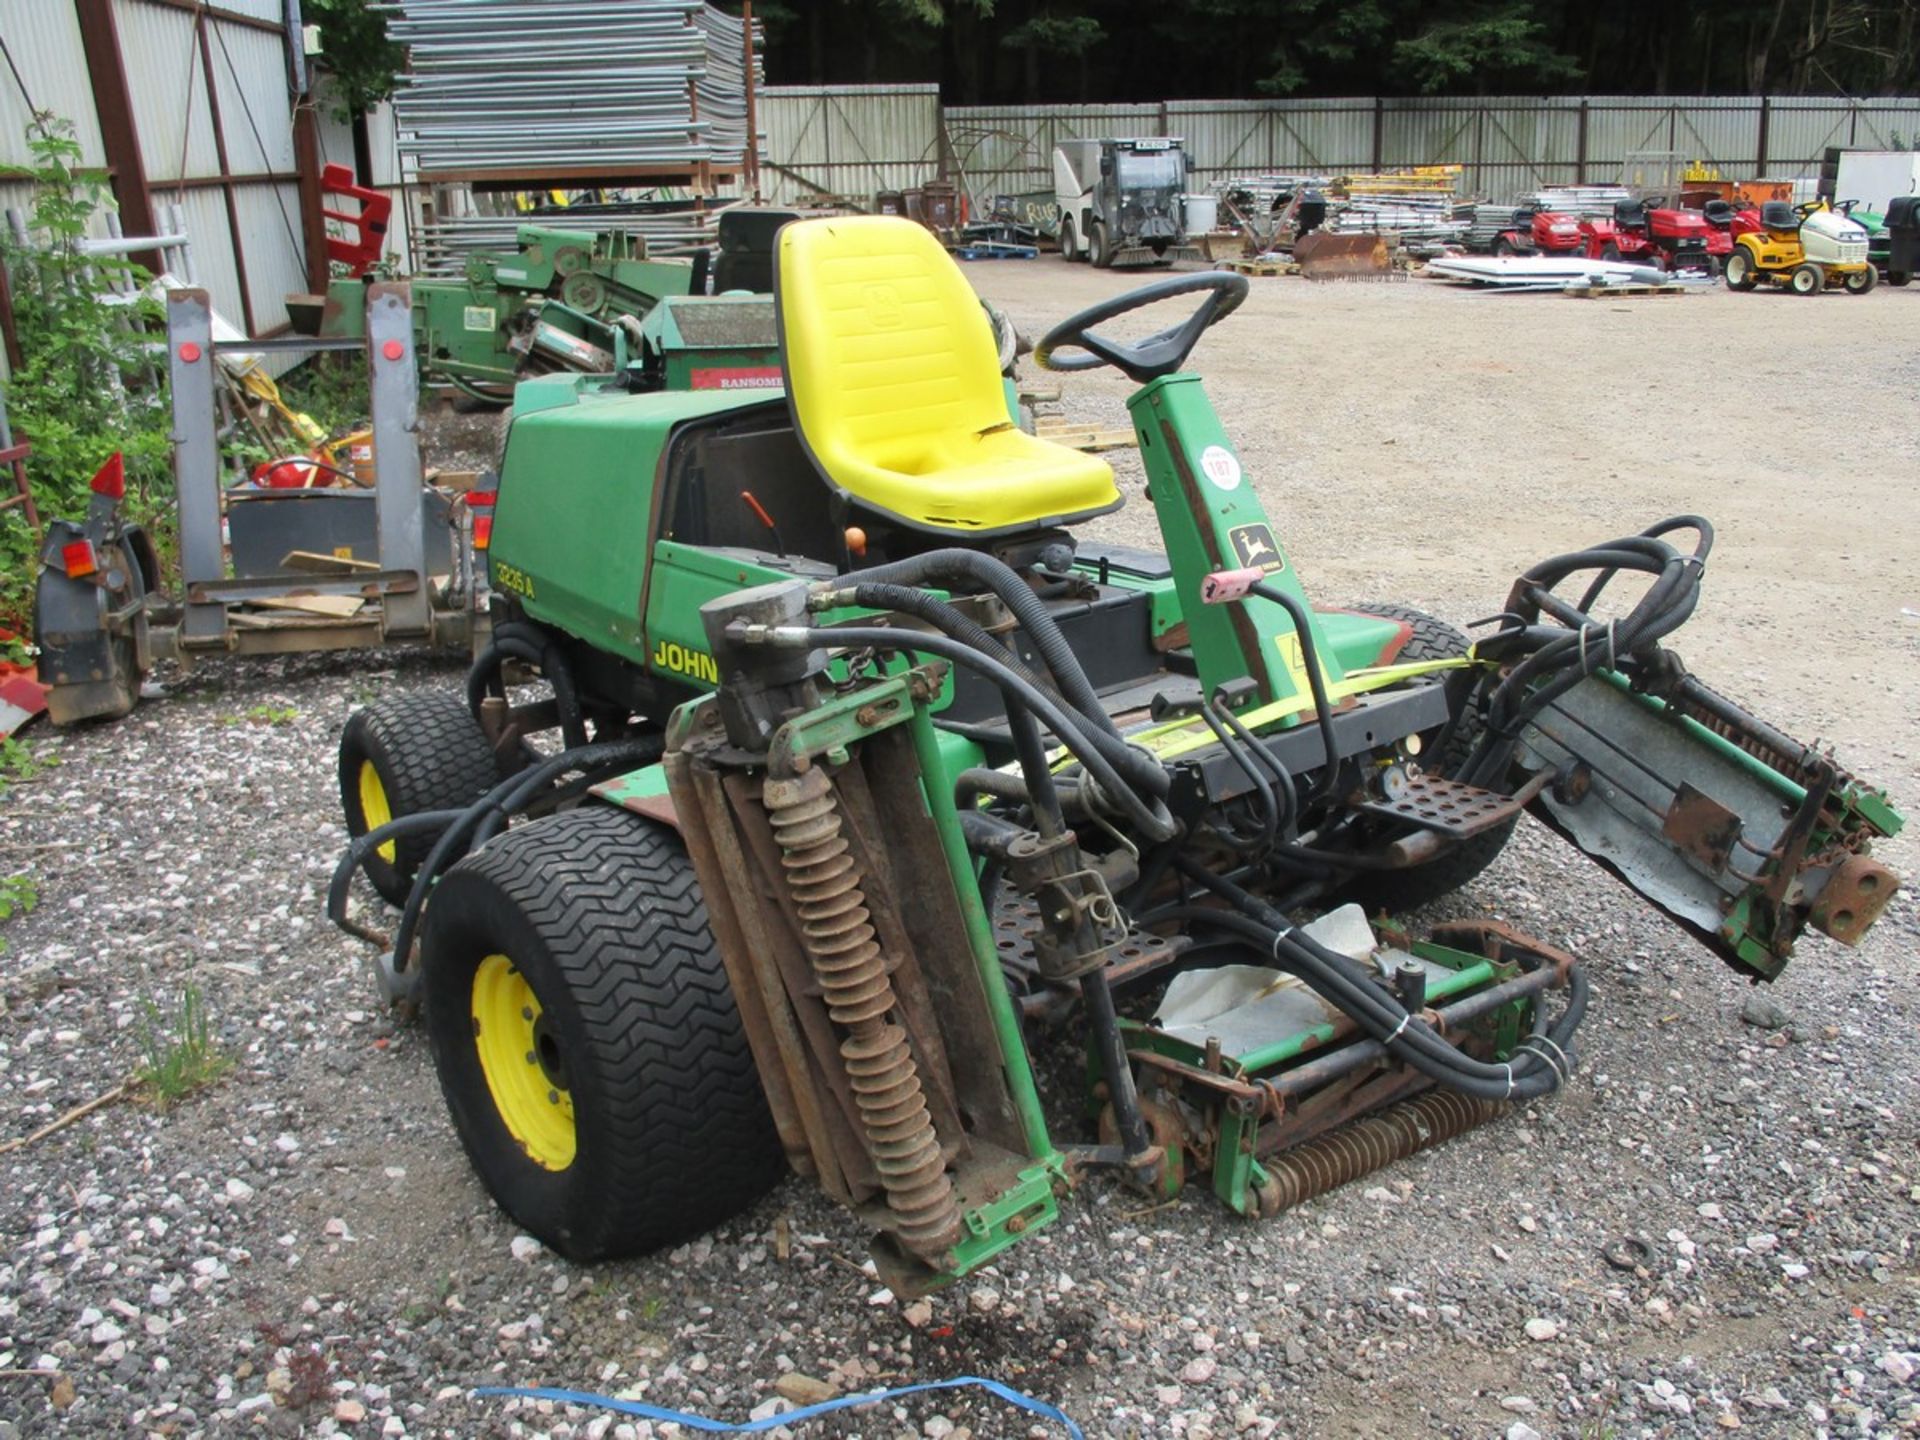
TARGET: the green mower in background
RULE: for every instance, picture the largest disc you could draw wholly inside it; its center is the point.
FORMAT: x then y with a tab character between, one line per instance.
856	761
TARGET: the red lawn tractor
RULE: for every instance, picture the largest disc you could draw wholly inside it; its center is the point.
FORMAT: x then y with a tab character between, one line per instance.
1548	232
1645	230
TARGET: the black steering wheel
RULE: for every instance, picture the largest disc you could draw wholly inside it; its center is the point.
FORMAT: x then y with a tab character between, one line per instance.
1162	352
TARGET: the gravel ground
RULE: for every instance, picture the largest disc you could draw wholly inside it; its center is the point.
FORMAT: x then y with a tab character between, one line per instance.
301	1249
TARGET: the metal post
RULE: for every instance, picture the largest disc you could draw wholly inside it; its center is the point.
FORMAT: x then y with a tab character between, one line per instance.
196	461
751	160
1766	126
395	395
1580	154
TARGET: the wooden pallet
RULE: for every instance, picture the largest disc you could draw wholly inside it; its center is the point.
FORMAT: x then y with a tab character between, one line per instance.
1062	431
1260	267
1609	292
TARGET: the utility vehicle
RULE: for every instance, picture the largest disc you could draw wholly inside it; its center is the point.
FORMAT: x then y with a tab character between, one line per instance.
1122	202
1649	229
1805	247
871	762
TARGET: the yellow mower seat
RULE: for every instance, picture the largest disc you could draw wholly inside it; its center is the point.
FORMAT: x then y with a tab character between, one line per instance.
895	388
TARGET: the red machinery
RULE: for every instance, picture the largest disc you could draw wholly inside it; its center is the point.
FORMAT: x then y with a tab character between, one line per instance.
368	223
1548	232
1645	230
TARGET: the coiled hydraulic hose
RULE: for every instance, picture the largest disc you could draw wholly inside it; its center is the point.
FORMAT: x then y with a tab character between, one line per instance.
1558	657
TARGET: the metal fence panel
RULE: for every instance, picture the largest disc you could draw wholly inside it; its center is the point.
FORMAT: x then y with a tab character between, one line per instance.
44	40
848	140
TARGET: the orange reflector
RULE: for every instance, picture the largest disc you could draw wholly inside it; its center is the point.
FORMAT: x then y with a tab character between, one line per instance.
482	531
79	559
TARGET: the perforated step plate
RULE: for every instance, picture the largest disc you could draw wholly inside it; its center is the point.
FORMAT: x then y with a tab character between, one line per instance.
1446	805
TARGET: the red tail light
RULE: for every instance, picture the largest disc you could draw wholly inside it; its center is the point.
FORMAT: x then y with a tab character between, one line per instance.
482	531
79	559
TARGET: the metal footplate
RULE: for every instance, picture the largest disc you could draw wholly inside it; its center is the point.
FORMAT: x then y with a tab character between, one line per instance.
1448	806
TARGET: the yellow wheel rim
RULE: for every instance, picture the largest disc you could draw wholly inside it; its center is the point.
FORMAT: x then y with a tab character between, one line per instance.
520	1056
374	809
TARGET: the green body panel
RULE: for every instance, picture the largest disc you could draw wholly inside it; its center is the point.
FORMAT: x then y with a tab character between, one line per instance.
711	342
577	488
1211	519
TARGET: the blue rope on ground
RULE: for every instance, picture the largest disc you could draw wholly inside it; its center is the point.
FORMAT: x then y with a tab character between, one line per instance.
752	1427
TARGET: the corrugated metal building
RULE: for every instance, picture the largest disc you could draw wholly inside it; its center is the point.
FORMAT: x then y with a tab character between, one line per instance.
196	112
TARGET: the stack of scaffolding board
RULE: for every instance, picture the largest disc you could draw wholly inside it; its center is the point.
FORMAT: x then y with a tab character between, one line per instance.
1487	223
668	227
1580	201
499	90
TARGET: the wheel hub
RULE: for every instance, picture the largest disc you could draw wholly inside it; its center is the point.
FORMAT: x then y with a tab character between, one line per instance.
524	1064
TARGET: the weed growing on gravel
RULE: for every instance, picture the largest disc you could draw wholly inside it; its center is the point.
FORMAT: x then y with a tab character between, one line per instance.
18	895
18	762
263	715
178	1053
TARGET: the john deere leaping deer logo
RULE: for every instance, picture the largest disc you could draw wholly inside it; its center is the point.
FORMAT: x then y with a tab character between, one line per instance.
1255	547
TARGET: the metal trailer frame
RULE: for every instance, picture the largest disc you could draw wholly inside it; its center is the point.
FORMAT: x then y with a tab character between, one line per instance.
403	608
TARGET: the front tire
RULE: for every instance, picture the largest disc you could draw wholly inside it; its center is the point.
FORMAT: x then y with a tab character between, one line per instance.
1099	251
1431	638
586	1038
1860	282
404	755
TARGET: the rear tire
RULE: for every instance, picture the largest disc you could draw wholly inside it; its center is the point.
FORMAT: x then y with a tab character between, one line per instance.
1740	272
404	755
1502	248
1899	277
1396	891
1067	246
587	1041
1610	252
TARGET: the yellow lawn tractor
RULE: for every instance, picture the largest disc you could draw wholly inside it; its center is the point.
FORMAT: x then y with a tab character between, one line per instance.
1806	247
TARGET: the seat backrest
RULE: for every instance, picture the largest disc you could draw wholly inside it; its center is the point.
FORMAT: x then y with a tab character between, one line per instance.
1629	212
883	341
1778	215
1719	212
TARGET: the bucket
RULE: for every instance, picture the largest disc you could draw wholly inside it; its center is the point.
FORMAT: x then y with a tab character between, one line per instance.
1203	212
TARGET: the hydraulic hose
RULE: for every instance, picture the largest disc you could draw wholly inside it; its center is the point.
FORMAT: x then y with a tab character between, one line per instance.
463	829
524	642
1337	979
1556	658
1150	816
1316	681
1027	607
1139	767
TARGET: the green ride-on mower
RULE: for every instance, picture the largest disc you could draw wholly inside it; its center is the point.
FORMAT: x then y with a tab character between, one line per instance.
819	761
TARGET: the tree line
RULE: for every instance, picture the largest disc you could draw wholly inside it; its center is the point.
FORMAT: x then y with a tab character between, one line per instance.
1027	51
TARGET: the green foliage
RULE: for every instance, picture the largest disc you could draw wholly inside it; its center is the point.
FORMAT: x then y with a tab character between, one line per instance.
263	715
19	762
85	388
18	895
1060	35
1492	50
356	51
177	1052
